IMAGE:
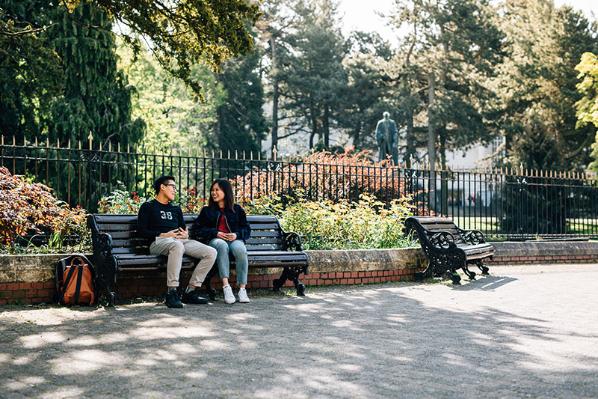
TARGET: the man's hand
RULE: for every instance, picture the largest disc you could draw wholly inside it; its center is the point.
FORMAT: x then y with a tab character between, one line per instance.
170	234
182	234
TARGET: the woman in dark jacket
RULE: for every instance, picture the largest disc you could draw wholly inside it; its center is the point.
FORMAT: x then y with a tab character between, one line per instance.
222	224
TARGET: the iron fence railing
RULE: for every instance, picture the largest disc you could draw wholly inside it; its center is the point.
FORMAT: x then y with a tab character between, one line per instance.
500	203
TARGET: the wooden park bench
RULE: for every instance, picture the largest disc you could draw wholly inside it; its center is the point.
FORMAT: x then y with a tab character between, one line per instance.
118	249
449	248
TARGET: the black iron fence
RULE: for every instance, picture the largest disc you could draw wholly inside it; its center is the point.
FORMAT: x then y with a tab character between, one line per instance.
501	203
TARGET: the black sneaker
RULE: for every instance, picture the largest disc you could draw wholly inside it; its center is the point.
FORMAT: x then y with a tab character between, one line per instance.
173	300
194	298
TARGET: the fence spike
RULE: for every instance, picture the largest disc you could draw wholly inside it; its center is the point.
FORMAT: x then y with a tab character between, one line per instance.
118	146
14	140
228	154
36	141
251	155
259	156
90	138
57	143
68	143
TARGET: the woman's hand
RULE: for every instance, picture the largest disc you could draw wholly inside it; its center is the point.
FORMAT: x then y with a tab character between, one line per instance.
227	236
222	236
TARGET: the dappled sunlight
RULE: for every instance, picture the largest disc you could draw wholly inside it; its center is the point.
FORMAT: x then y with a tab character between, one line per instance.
240	317
339	343
214	345
170	332
23	360
40	340
63	392
23	382
196	375
86	361
324	380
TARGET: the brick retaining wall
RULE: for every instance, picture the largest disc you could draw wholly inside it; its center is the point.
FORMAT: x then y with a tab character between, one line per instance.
30	278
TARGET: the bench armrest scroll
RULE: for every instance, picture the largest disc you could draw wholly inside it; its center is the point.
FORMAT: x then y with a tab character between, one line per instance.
292	241
442	240
102	244
474	237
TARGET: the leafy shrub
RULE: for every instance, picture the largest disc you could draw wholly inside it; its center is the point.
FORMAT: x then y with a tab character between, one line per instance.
29	210
366	223
121	202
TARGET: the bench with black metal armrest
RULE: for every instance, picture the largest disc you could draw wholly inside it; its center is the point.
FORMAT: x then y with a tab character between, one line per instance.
449	248
117	249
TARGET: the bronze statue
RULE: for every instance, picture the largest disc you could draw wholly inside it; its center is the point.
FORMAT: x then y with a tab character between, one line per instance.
387	138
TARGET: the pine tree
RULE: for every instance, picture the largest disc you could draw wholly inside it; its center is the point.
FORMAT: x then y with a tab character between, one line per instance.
312	76
96	101
241	125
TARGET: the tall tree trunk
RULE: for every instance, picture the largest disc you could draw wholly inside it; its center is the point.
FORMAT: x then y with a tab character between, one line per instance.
275	95
431	143
326	127
431	130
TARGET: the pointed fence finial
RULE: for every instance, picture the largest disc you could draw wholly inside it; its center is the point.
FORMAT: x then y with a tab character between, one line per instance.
90	138
274	153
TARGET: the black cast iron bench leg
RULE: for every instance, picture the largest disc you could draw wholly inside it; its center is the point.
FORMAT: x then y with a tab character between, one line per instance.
292	274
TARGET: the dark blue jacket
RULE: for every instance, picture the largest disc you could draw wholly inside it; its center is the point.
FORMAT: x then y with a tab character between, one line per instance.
205	227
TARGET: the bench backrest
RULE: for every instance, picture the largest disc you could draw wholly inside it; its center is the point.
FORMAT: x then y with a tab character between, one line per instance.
425	225
266	233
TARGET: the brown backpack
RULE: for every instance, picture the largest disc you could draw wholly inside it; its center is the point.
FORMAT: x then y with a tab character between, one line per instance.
75	281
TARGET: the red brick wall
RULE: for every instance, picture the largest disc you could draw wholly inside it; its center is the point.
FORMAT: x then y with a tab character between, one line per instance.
27	292
154	284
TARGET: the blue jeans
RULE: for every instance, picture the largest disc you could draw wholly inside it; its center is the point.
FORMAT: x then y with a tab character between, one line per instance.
238	250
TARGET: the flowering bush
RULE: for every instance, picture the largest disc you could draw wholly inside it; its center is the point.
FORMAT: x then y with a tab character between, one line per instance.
30	209
366	223
323	175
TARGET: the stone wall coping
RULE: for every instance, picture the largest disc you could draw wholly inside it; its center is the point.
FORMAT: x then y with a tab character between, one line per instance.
546	248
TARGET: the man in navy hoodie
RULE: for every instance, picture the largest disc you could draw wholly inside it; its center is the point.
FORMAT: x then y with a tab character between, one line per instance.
163	225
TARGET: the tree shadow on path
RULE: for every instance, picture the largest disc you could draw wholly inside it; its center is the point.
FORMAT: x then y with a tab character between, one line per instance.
368	342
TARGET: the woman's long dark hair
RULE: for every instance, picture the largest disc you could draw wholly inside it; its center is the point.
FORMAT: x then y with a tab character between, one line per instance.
226	187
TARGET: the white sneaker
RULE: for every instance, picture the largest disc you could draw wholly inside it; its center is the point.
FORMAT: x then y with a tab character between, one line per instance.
243	298
228	295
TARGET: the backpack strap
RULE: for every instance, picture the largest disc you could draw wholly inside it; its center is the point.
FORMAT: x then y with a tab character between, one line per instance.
66	282
78	286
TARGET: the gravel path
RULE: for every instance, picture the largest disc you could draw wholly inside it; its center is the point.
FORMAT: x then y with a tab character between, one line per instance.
522	332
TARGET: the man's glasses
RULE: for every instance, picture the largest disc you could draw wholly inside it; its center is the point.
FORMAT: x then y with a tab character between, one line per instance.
171	185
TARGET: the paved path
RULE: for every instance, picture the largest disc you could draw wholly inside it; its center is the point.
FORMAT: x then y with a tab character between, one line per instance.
523	332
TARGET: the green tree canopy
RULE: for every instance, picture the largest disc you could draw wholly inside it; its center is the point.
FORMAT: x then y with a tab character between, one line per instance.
97	98
183	33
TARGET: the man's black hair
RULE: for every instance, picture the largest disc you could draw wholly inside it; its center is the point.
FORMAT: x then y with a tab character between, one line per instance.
161	180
